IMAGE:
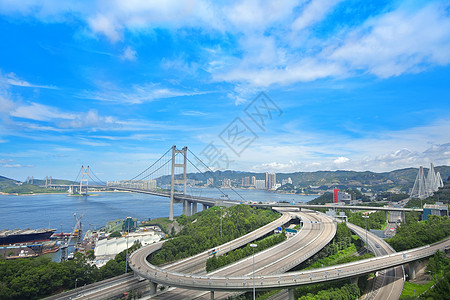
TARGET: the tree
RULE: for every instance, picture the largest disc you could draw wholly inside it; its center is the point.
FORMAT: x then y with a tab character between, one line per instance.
115	234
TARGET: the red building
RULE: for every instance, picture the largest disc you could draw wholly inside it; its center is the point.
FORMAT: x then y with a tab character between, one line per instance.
336	191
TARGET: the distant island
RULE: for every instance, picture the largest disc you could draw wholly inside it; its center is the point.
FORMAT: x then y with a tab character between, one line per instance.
319	182
37	186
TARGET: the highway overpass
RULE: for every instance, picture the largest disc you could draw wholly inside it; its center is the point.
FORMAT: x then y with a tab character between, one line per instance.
159	275
276	260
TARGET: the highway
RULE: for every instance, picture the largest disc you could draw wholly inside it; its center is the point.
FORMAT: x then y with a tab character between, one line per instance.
276	260
104	289
388	284
288	280
197	263
119	284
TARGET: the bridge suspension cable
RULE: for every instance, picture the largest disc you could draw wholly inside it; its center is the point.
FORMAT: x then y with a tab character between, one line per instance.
152	165
212	173
99	182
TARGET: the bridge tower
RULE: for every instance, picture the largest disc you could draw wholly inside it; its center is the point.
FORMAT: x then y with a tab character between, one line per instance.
84	178
173	181
420	189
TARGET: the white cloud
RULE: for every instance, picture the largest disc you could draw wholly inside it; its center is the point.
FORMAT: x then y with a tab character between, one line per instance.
136	94
377	151
313	12
250	15
341	160
401	41
16	166
105	25
193	113
40	112
129	54
7	163
12	79
278	35
6	106
90	120
398	42
291	166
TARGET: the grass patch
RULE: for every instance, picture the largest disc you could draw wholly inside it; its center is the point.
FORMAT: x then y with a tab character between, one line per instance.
409	287
163	223
343	256
267	295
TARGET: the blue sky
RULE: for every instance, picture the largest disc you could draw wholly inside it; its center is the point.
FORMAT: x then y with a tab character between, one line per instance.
360	85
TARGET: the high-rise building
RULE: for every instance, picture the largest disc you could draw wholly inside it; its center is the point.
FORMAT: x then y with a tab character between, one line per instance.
253	180
246	181
226	182
286	181
271	180
149	184
260	184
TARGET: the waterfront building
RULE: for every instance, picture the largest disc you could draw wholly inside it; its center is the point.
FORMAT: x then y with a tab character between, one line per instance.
286	181
226	182
438	209
271	180
260	184
246	181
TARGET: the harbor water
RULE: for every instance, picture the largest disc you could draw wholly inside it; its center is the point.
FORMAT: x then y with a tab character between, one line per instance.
57	210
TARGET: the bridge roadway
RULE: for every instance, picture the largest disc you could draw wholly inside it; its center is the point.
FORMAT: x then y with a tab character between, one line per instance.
119	284
352	207
278	281
388	284
214	201
177	197
275	260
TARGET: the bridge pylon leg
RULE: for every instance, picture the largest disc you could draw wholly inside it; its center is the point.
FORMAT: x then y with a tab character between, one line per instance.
194	207
173	181
212	295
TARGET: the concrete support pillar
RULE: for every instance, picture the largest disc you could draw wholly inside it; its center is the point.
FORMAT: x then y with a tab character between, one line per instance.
291	294
153	287
354	280
187	208
412	266
194	207
205	207
386	215
212	295
403	216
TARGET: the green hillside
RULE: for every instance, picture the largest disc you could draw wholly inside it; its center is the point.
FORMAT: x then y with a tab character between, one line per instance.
402	179
11	186
7	183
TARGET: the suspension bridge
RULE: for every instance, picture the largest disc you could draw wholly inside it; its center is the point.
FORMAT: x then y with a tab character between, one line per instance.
166	177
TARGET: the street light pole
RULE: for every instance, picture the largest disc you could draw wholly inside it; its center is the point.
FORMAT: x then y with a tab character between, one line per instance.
221	221
126	256
254	246
367	241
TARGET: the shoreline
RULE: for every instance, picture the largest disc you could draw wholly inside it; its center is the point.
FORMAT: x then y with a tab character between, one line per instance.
109	191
